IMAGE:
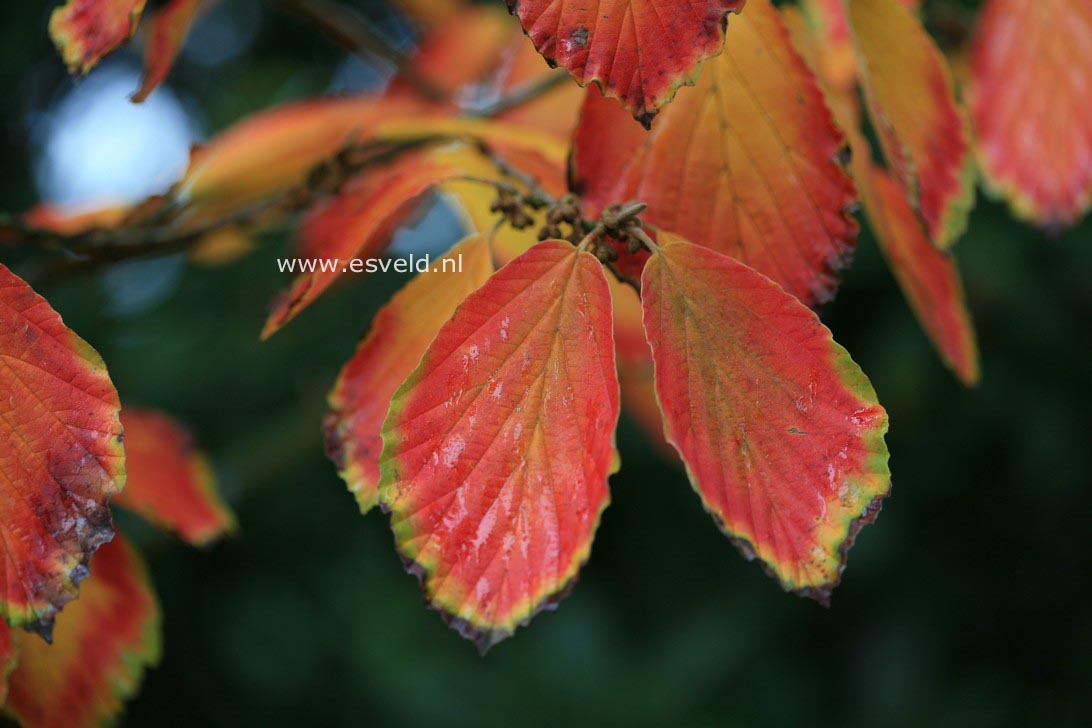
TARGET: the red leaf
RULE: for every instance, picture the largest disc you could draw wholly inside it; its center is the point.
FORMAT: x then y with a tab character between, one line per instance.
9	656
928	277
167	34
747	163
85	31
356	223
911	101
637	51
1030	76
498	447
102	645
780	431
170	483
60	455
399	336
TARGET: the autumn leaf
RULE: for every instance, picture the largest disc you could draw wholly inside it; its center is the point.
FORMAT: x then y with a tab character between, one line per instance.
928	277
909	92
170	483
275	151
102	645
638	51
60	455
498	447
167	34
463	51
747	163
1031	71
780	431
86	31
357	223
398	337
835	58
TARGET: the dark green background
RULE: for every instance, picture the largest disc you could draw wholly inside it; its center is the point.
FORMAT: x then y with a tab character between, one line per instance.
966	604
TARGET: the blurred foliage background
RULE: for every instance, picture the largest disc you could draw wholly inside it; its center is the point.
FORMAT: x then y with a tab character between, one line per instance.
968	603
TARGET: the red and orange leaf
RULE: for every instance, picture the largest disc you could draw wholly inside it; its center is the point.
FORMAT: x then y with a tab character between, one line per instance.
61	457
170	483
748	162
274	150
498	447
638	51
399	336
85	31
102	645
780	430
461	52
911	100
928	277
9	656
357	223
1031	72
168	32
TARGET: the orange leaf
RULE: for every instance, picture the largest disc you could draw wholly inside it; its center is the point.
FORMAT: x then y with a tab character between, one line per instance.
747	163
780	431
85	31
274	150
911	101
835	59
498	447
356	223
1030	77
637	51
928	277
462	51
169	482
101	647
399	336
60	456
168	32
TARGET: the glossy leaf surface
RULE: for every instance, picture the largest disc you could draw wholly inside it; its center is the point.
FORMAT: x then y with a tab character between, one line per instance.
637	51
170	483
1031	73
747	162
398	337
911	101
61	456
780	431
498	447
85	31
102	645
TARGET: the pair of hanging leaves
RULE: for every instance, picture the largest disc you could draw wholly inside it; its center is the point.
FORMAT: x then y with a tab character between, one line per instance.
498	445
86	31
62	462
